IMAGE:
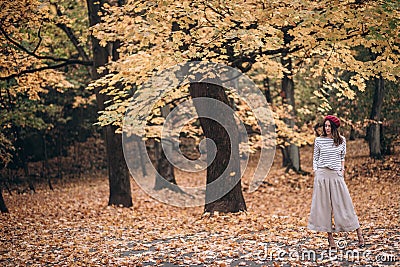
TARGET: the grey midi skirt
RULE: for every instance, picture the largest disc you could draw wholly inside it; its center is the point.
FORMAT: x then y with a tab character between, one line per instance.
331	197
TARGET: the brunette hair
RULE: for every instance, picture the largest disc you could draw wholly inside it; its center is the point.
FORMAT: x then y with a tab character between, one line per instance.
337	139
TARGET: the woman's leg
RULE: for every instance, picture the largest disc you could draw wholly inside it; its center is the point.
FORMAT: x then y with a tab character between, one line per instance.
345	216
331	241
361	242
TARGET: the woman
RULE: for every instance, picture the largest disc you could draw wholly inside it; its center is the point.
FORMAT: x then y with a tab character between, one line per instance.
330	194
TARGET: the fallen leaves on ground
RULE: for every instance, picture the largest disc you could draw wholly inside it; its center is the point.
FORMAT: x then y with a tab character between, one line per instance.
73	225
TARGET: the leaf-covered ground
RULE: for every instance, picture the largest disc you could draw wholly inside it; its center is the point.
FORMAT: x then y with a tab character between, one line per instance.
73	225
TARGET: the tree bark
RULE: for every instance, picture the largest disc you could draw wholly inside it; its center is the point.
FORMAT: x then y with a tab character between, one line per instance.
267	90
3	207
233	200
118	173
374	140
165	170
352	134
291	157
45	169
292	151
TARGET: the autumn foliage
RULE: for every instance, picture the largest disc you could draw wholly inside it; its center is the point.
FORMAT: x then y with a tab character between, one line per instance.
70	69
72	225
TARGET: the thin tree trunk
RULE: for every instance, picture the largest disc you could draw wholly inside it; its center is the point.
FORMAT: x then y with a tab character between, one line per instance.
24	160
352	133
165	170
76	161
46	164
233	200
267	90
120	188
288	98
285	157
59	158
3	207
374	140
7	187
141	153
292	151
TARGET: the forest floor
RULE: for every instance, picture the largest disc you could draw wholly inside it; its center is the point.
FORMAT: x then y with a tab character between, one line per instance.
72	225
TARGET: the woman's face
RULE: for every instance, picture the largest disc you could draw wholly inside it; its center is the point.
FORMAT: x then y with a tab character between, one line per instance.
328	128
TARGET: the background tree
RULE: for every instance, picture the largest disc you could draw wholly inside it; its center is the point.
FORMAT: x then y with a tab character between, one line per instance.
120	188
41	40
41	84
165	170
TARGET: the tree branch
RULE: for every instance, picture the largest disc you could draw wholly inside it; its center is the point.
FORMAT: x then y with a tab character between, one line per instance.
40	40
66	60
68	31
66	63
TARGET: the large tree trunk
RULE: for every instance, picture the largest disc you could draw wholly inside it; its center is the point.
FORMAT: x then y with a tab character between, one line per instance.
374	135
233	200
118	173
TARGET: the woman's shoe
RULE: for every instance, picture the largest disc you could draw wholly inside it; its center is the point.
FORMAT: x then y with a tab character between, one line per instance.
361	243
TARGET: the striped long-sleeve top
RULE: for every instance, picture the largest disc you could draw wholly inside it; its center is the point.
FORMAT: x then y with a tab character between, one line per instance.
327	154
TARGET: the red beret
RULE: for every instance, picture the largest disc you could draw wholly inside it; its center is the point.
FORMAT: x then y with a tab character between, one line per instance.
333	119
